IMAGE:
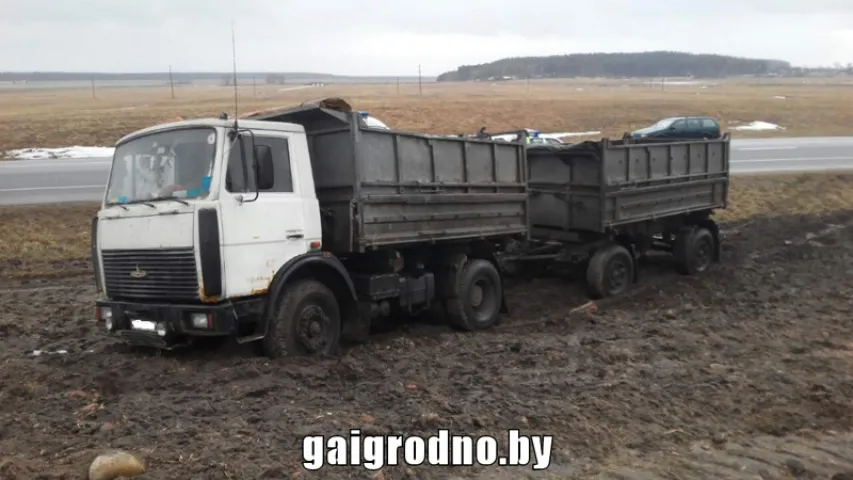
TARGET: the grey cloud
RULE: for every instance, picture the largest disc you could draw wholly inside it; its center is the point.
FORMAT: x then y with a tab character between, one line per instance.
385	36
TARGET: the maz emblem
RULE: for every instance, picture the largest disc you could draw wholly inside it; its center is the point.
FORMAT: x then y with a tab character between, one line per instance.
138	273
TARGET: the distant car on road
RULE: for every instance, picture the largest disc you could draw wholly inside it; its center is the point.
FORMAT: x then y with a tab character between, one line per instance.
691	127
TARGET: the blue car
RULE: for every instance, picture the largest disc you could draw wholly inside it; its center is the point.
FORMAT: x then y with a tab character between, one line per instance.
693	127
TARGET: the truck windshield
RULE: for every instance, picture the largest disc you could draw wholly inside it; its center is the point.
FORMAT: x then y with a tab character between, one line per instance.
164	165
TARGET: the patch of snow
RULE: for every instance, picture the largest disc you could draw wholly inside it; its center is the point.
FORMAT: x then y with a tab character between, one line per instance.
62	152
780	97
759	125
300	87
37	353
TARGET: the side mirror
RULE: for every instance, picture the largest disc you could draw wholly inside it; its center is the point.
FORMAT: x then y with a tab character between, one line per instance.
264	167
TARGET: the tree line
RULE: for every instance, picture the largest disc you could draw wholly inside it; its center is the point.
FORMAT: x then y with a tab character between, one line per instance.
646	64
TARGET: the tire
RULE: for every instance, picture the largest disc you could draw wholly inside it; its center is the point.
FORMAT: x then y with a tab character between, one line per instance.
306	304
610	272
694	251
478	297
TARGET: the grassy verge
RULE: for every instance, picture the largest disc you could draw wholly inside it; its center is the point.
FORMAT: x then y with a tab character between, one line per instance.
50	241
65	117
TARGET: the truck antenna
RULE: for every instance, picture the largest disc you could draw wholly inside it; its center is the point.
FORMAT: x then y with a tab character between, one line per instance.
234	59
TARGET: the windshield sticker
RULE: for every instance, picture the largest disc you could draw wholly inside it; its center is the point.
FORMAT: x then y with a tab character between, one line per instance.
211	139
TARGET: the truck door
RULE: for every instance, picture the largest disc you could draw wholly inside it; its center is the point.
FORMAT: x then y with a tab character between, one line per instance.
261	235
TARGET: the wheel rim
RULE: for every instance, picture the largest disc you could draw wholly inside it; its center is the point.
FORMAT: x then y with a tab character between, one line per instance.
313	329
477	294
702	255
483	299
617	275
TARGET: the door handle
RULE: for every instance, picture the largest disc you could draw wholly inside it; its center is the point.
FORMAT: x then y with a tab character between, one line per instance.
295	236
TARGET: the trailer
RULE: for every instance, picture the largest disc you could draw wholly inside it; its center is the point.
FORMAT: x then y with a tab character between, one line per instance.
604	205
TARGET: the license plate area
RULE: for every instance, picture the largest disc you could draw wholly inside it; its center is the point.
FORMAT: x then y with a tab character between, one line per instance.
141	325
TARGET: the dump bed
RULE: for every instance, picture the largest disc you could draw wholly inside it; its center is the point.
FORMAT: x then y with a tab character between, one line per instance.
381	187
595	186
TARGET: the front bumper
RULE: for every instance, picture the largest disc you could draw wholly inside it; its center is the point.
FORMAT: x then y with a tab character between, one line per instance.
165	326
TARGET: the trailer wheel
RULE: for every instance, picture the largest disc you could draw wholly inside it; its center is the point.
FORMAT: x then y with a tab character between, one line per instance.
694	251
610	272
477	305
306	322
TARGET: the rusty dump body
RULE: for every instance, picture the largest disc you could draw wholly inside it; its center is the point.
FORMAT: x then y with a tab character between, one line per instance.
384	188
607	186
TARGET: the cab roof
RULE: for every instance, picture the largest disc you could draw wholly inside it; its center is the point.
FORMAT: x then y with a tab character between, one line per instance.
214	122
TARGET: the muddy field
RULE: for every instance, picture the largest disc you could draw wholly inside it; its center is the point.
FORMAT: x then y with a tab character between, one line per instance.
760	347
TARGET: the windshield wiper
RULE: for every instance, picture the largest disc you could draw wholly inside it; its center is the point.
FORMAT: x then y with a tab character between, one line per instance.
174	199
148	202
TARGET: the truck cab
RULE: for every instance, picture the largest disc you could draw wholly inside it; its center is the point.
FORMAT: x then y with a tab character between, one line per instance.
163	256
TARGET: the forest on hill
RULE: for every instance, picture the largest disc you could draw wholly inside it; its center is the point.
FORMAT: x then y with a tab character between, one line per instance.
646	64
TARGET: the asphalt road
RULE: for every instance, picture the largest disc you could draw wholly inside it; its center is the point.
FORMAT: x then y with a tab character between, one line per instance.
83	179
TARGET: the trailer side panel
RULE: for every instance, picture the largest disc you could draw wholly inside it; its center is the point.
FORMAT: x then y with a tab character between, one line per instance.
592	187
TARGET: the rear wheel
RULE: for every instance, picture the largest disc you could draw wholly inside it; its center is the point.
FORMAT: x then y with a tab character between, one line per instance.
478	297
694	251
305	322
610	272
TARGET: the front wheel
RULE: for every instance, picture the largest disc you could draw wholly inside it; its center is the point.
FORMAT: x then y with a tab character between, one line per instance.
305	322
479	294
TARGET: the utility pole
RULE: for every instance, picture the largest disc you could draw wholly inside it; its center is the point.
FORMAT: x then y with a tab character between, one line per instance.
93	87
171	82
420	84
528	85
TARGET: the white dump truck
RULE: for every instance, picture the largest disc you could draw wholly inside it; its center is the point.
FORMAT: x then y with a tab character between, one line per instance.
297	227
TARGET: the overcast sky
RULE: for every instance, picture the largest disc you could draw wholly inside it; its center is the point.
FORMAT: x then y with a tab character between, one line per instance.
391	37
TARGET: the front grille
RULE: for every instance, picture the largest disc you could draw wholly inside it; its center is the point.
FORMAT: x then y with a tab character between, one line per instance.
161	274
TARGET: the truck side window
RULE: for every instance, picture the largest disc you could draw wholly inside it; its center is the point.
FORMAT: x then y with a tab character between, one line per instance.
236	182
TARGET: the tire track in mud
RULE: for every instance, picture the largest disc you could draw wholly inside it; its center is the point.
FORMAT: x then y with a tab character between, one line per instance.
825	456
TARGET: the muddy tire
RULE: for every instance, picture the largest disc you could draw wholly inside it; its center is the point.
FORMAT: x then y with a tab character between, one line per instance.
610	272
306	322
478	297
694	251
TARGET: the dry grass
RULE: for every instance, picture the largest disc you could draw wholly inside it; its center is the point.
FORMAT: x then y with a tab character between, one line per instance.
54	240
64	117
